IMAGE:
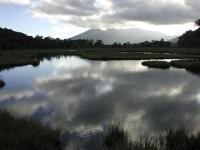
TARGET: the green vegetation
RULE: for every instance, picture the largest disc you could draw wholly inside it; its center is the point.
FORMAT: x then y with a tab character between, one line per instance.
9	59
116	138
7	63
131	56
190	65
2	84
24	134
157	64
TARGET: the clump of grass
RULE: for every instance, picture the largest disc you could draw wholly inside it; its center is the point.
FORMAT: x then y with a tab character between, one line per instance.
2	84
24	134
157	64
116	138
190	65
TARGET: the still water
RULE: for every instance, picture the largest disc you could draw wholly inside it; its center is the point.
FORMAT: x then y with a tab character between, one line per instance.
79	96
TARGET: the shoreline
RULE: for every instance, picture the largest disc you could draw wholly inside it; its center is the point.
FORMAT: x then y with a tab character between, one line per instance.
10	59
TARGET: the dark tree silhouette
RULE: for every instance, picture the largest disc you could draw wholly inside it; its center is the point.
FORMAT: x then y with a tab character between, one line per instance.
98	44
11	40
197	22
190	38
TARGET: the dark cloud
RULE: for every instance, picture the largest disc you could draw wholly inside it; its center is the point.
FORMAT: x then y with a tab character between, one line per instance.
155	11
88	13
67	7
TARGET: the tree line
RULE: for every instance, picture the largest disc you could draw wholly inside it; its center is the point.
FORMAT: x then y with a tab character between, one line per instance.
11	40
154	43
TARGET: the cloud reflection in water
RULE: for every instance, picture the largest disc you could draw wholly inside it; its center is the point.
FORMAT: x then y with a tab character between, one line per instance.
80	95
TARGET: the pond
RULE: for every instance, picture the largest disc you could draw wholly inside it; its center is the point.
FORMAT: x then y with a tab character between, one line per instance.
80	96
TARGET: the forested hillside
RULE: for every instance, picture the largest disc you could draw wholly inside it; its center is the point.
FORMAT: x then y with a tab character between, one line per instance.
11	40
190	38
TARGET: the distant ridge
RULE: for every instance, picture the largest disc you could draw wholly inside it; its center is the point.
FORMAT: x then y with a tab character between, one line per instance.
134	35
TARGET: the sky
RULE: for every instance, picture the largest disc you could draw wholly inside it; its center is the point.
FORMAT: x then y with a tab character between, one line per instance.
67	18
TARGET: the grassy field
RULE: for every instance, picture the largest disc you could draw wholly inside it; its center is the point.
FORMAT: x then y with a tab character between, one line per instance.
24	134
9	59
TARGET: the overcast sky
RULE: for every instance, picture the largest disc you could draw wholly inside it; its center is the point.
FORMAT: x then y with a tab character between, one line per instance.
66	18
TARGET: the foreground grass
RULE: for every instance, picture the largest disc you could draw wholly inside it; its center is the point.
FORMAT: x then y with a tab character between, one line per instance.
116	138
24	134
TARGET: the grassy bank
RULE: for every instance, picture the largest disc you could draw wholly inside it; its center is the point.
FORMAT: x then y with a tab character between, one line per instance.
117	138
190	65
157	64
8	63
9	59
24	134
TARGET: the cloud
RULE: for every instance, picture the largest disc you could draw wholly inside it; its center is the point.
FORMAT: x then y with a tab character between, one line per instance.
68	7
107	13
17	2
171	17
152	11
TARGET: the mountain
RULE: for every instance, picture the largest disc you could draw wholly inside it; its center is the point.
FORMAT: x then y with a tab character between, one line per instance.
122	35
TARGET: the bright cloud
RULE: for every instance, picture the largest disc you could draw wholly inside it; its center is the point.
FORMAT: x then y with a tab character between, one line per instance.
18	2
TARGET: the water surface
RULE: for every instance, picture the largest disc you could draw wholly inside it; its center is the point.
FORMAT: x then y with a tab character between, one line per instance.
79	96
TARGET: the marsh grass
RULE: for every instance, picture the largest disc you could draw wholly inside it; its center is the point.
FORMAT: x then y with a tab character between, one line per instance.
12	58
24	134
190	65
116	138
157	64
